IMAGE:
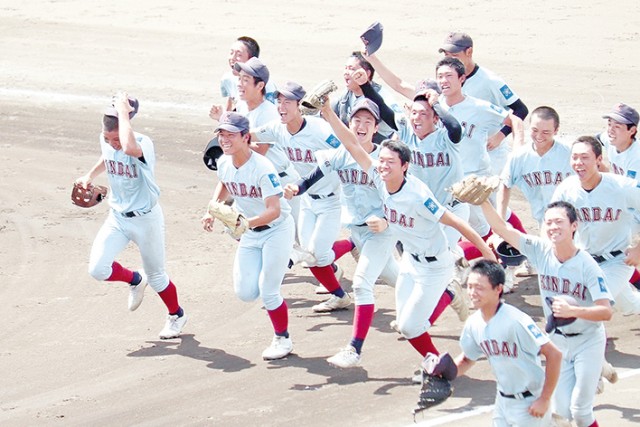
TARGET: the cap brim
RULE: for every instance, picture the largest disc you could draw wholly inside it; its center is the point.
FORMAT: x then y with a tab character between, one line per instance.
373	113
243	67
286	94
229	128
451	48
618	118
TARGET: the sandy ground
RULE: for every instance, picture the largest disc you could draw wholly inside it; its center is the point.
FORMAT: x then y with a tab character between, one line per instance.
73	355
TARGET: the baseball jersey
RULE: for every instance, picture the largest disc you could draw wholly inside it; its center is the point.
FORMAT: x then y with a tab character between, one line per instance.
627	162
479	120
132	181
486	85
359	193
413	214
511	342
538	176
579	277
435	160
605	219
229	88
351	100
265	113
251	184
316	134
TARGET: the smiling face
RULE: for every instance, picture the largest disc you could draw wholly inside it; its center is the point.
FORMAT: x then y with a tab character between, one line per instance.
248	89
232	142
237	53
352	65
449	80
584	162
542	132
363	125
557	226
288	109
620	135
390	167
112	138
423	119
481	293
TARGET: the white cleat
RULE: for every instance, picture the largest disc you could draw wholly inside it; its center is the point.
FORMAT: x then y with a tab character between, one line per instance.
508	280
394	325
300	255
609	372
280	347
347	357
173	326
333	303
525	270
136	293
558	421
460	302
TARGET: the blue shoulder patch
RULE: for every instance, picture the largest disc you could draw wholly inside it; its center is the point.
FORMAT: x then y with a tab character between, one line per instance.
506	92
603	287
431	205
631	174
274	180
333	141
535	331
271	97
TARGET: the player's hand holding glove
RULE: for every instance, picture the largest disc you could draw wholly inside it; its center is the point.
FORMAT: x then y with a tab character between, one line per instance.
438	371
87	196
234	221
475	189
315	99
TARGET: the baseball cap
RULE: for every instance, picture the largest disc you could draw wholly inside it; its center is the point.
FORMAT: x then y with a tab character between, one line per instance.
622	113
423	85
111	110
372	38
253	67
291	90
366	104
233	122
456	42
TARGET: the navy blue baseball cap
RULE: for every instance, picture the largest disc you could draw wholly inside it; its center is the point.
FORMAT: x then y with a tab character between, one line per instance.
291	90
254	67
622	113
366	104
456	42
111	110
233	122
372	38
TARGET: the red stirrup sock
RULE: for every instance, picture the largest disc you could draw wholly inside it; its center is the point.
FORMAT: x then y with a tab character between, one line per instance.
170	298
424	344
516	223
341	247
120	274
280	319
444	301
326	277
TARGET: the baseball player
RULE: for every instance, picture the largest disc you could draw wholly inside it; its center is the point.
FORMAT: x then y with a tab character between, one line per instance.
352	93
243	49
129	160
564	269
512	343
606	224
414	216
319	221
263	253
364	217
536	169
484	84
623	152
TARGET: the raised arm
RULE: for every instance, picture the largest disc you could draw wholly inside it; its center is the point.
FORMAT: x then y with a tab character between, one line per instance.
386	113
499	226
396	83
128	141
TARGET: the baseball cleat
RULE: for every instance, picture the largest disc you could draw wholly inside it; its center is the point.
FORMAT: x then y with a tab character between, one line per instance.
333	303
508	280
173	326
136	292
280	347
300	255
394	325
525	270
347	357
609	372
460	302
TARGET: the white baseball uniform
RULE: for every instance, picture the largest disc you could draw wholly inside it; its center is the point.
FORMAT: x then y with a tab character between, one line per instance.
538	176
511	342
263	253
605	229
348	99
583	341
229	88
319	220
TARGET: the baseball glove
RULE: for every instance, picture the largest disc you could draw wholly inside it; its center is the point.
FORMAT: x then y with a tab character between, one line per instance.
234	221
475	189
88	197
434	391
315	99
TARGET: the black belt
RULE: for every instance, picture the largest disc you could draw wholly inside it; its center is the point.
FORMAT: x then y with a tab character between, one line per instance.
522	395
602	258
426	258
260	228
319	196
133	214
454	203
282	174
566	335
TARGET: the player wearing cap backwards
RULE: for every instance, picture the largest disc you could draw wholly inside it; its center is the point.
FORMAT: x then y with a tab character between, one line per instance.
129	160
263	253
512	343
564	269
623	151
414	216
243	49
364	216
319	221
484	84
435	159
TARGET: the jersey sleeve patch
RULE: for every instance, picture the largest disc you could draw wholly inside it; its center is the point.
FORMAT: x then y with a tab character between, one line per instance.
431	205
274	180
603	287
506	92
631	174
535	331
333	141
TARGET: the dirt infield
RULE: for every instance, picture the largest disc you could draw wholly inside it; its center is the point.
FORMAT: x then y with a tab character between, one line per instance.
72	353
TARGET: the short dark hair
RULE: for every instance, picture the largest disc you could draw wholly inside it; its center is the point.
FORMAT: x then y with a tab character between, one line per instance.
109	123
591	141
572	214
452	62
251	45
492	270
397	146
257	80
629	126
547	113
364	64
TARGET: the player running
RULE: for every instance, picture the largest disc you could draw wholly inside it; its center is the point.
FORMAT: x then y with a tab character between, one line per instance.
129	160
263	253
